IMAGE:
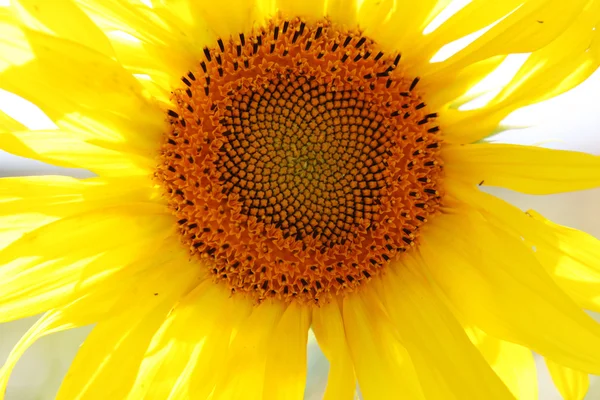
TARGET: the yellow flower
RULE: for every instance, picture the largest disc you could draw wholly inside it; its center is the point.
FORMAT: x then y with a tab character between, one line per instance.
269	167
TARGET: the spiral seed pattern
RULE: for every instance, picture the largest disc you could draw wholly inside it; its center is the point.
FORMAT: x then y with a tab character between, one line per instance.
300	161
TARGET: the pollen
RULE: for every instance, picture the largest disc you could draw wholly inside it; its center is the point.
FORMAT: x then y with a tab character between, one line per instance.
300	161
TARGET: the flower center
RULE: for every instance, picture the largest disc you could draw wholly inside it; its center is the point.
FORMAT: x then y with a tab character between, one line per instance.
300	161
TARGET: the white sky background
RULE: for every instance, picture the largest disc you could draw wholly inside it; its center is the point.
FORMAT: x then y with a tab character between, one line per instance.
570	121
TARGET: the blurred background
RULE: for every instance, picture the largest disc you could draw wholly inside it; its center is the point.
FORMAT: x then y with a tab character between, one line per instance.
570	121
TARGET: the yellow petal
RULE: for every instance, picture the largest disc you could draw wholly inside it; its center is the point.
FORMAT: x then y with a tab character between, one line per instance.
212	361
517	32
108	361
412	16
470	126
500	287
83	78
285	374
447	363
51	265
441	94
168	30
63	195
500	28
472	17
526	169
175	345
91	97
135	56
371	15
136	17
383	367
64	149
187	355
342	12
83	311
328	327
562	64
87	94
7	123
247	358
240	16
571	257
572	384
28	203
14	49
311	9
514	364
64	19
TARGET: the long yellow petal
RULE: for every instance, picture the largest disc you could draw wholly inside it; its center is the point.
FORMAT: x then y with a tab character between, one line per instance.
474	16
135	56
470	126
51	321
14	49
64	149
561	65
500	287
212	361
526	169
62	196
90	96
91	306
564	63
246	363
328	327
411	16
518	31
28	203
311	9
51	265
342	12
372	14
447	363
175	345
63	18
7	123
86	82
571	257
238	17
83	311
382	365
572	384
285	374
108	361
441	94
170	34
514	364
187	355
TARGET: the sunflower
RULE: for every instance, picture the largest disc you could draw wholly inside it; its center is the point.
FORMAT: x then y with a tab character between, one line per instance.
264	168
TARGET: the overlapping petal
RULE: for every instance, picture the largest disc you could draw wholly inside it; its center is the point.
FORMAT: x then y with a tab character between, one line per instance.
165	331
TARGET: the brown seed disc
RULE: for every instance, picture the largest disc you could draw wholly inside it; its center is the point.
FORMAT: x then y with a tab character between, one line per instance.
300	161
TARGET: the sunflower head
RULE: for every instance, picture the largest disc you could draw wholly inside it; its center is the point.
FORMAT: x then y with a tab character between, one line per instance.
300	160
268	168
